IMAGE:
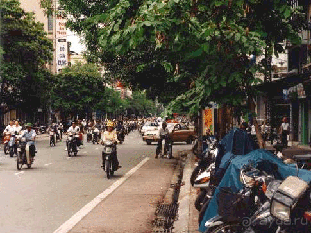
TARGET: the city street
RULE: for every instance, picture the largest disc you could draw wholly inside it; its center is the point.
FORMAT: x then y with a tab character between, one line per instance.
42	198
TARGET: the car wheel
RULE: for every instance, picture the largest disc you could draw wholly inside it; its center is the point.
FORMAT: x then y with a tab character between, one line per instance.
189	140
148	142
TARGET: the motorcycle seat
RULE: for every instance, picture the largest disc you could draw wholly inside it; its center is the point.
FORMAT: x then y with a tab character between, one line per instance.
302	157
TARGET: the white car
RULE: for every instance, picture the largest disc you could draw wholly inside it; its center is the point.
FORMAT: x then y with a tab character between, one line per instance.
149	126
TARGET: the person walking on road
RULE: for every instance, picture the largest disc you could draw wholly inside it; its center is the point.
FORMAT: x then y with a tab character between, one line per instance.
284	131
163	132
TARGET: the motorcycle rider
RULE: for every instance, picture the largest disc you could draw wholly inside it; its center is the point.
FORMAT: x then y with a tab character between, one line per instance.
163	132
111	135
120	129
30	136
17	127
74	129
9	128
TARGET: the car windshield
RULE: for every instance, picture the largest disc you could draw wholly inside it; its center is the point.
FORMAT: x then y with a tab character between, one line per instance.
151	124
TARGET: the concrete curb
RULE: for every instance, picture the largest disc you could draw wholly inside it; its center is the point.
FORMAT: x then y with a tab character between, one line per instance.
181	225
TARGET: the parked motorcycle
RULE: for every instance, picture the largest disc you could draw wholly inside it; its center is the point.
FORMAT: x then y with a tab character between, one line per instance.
248	210
72	144
208	157
291	206
6	139
107	156
25	153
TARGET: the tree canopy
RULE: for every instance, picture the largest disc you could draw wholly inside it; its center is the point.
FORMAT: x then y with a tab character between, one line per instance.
24	51
203	46
78	89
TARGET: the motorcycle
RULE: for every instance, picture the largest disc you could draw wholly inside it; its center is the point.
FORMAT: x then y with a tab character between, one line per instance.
57	134
6	139
42	129
25	153
52	138
89	135
107	156
247	211
208	157
168	147
291	206
95	136
120	136
12	145
72	144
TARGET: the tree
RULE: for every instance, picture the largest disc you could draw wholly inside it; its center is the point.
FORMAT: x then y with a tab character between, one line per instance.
78	89
204	45
25	51
140	105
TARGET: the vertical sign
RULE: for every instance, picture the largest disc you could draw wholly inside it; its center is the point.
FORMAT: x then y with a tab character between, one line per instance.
208	120
61	42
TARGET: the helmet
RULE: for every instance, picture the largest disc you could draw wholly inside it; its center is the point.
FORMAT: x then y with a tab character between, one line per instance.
110	124
28	125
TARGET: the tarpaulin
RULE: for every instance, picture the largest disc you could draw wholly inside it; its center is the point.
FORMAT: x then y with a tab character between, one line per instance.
236	142
260	158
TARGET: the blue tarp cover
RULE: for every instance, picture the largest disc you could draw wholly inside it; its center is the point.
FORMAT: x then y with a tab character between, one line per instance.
260	157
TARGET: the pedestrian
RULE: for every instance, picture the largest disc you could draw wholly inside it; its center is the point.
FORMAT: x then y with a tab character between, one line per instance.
284	131
265	128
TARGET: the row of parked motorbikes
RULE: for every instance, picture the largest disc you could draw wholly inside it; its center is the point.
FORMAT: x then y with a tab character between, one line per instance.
243	189
16	144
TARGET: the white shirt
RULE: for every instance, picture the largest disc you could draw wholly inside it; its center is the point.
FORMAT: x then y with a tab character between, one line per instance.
9	129
253	130
163	132
73	130
17	128
285	126
30	135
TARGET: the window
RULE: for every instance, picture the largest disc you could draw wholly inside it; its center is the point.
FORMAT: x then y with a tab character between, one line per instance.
50	23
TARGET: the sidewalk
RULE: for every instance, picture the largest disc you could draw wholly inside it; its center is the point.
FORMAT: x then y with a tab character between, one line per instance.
132	206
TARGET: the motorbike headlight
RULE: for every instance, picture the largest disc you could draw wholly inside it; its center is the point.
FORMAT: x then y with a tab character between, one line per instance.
280	210
287	196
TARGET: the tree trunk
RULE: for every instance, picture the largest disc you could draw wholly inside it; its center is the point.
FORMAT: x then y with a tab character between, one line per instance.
258	134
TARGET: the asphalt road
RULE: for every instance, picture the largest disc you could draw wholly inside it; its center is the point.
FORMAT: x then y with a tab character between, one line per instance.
42	198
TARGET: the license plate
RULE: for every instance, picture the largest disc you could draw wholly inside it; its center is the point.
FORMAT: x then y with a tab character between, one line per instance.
51	133
108	149
19	149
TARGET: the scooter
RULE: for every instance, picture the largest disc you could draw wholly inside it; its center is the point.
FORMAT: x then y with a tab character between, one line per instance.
95	136
52	138
89	135
25	153
107	156
6	139
72	147
12	145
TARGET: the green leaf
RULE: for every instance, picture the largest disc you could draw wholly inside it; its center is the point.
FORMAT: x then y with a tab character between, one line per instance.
237	36
287	12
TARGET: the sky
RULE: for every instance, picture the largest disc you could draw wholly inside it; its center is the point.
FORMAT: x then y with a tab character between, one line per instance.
76	44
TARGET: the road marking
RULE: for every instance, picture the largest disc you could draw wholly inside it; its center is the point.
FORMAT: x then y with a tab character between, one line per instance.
47	164
18	173
70	223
